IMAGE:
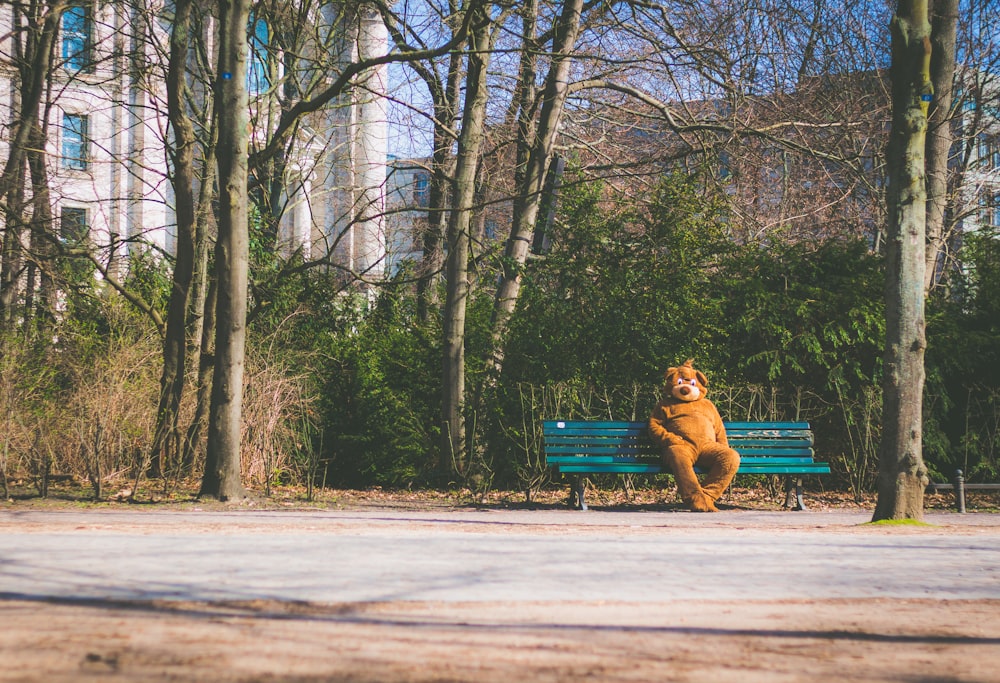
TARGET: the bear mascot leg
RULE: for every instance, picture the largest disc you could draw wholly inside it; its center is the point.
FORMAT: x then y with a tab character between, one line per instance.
721	462
681	460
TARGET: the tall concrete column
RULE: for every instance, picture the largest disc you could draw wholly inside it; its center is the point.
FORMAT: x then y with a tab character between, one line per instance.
371	147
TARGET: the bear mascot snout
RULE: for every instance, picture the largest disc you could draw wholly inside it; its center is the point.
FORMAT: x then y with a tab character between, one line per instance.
690	433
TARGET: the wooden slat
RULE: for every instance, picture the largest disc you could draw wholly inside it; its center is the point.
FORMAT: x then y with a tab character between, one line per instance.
766	425
590	424
804	452
578	431
617	468
595	450
783	443
769	434
603	459
653	468
596	439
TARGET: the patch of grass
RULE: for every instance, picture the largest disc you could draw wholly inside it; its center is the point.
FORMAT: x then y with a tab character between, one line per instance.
898	522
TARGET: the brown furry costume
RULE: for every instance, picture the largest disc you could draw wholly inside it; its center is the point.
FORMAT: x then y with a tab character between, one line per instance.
690	432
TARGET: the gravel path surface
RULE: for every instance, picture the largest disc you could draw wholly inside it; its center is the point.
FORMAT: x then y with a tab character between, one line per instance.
486	595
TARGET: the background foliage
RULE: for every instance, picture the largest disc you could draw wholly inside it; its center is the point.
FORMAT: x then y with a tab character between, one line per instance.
343	386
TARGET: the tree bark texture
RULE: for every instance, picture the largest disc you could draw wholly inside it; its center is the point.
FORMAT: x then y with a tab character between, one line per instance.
529	191
222	477
43	313
34	74
453	450
32	42
446	97
944	21
902	474
175	337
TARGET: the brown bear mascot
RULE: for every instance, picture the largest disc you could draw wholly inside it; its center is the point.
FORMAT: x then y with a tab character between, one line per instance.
690	432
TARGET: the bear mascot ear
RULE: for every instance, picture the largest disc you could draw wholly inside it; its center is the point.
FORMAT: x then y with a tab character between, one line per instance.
667	376
701	378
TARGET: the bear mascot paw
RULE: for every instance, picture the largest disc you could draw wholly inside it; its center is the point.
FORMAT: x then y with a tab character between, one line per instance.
690	433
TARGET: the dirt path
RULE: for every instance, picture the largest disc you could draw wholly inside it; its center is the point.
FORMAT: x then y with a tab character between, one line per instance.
742	641
51	637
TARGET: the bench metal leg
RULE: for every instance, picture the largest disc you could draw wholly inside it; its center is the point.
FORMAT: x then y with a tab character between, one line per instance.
578	486
799	502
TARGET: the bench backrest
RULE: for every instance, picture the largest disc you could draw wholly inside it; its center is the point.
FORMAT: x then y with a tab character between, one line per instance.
624	439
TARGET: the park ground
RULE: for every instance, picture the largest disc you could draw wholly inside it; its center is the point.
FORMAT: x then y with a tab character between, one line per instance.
920	638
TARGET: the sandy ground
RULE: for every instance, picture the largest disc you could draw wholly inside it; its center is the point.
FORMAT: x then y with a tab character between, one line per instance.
906	640
746	641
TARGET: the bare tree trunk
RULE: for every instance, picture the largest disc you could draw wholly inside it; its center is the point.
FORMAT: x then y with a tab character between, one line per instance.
206	368
11	257
222	478
175	338
34	73
445	96
42	234
31	41
529	192
944	20
442	169
202	314
453	451
902	474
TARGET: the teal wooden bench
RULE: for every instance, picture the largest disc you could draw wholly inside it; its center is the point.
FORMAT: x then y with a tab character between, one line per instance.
580	447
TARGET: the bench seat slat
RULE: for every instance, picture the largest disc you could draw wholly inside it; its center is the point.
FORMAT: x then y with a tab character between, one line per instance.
613	468
555	440
590	449
577	431
802	426
616	457
783	443
653	451
652	468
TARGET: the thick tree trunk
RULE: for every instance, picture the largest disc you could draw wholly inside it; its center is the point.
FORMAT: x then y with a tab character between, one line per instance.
175	338
902	473
222	477
944	20
529	192
453	450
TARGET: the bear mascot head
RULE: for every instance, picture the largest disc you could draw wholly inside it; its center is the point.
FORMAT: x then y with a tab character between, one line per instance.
685	383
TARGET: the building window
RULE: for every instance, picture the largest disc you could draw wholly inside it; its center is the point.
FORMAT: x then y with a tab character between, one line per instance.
258	73
73	226
422	189
77	38
989	151
75	142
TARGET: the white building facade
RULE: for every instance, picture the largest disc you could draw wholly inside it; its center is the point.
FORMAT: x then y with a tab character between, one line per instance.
107	158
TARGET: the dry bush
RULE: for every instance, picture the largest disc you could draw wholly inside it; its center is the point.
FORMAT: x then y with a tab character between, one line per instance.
82	413
278	424
109	416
